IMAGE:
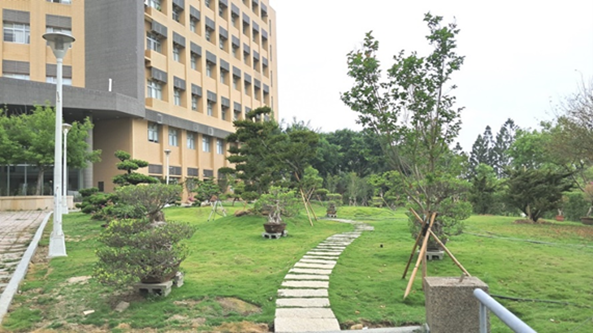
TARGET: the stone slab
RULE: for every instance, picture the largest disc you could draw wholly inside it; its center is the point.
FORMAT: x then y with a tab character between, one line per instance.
310	271
293	325
308	265
329	254
306	313
302	293
306	284
318	261
319	257
302	303
302	277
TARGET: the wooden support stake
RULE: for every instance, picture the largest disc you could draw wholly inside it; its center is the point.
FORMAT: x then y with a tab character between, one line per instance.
306	208
449	253
415	244
421	256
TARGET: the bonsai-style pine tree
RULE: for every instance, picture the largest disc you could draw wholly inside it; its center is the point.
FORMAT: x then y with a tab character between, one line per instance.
130	166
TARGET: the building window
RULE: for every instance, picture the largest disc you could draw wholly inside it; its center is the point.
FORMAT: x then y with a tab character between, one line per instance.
153	132
176	52
56	29
172	137
67	81
193	25
246	29
16	76
209	68
194	102
176	14
206	143
191	140
194	62
223	113
234	20
219	146
154	89
17	33
247	89
222	11
246	58
156	4
235	83
221	42
207	3
236	115
223	75
153	42
235	50
210	109
177	96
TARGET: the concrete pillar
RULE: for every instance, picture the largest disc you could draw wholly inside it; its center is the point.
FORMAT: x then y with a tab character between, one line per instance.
451	306
87	173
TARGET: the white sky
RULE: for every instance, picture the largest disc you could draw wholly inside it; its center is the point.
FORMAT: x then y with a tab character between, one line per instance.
522	57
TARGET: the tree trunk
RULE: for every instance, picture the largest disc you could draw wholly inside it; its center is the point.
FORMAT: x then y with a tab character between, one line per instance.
40	176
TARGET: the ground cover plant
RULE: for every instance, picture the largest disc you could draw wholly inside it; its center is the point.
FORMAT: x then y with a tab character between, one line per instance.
232	275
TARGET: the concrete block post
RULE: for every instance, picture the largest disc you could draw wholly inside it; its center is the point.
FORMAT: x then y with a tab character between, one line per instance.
451	306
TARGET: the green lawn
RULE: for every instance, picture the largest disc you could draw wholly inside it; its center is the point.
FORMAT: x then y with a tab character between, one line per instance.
233	274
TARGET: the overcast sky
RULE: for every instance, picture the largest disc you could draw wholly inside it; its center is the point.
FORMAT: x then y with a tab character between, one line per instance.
522	57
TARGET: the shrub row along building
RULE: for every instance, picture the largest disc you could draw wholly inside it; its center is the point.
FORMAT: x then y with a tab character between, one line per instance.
152	75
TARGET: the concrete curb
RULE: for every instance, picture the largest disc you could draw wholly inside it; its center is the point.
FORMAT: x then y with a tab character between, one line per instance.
21	270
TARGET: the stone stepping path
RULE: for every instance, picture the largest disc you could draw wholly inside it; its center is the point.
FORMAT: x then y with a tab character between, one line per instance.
16	231
303	301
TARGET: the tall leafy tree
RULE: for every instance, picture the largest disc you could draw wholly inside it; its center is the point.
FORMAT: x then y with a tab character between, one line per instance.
481	151
500	152
413	113
32	140
264	154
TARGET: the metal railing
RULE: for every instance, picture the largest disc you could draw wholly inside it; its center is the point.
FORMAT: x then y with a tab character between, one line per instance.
507	317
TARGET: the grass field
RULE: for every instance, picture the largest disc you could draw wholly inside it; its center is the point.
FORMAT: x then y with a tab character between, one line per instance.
233	274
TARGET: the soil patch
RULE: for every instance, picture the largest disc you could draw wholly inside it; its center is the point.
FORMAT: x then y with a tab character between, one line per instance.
231	304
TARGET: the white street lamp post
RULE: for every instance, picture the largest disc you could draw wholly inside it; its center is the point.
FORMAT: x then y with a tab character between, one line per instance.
66	128
59	43
167	153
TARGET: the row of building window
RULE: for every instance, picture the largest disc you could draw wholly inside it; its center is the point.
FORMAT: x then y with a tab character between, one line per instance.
154	89
177	11
153	136
20	33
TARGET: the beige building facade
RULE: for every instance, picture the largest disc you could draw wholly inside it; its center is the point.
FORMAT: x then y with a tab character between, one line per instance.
153	76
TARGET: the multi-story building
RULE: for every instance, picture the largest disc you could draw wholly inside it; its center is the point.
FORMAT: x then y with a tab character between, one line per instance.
152	75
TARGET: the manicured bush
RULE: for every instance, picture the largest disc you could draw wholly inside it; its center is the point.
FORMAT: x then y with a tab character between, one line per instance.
139	250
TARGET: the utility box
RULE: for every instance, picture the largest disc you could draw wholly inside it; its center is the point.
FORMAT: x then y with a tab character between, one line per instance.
451	306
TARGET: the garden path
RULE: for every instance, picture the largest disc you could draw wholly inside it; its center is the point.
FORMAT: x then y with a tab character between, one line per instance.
16	231
303	302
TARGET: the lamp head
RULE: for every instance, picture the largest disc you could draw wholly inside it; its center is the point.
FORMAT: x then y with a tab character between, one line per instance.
66	127
167	151
59	42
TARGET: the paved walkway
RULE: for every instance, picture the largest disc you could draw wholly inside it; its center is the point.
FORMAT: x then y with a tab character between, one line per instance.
16	231
303	303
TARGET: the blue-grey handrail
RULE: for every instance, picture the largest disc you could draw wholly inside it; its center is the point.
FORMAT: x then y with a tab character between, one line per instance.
487	302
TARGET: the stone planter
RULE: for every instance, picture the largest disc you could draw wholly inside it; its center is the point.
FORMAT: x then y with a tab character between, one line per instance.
559	218
587	220
274	228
